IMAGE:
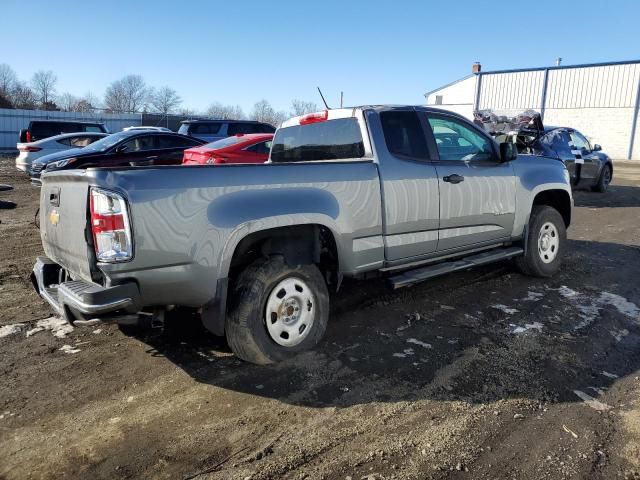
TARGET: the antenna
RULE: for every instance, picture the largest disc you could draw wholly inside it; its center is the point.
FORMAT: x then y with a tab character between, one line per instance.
341	98
325	102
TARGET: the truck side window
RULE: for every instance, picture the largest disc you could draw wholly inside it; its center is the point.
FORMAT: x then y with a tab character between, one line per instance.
403	134
456	141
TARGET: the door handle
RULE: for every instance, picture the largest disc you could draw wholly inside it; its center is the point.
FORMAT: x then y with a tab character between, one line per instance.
153	157
455	178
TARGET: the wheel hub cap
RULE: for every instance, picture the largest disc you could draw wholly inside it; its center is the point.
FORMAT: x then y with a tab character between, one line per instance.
548	242
290	312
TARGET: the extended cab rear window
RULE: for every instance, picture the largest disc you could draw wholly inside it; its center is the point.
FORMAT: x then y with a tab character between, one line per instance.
331	140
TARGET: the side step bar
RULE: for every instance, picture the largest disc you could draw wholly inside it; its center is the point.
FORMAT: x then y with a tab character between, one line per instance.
425	273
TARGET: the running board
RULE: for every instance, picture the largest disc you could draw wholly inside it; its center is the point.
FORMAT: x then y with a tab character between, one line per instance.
425	273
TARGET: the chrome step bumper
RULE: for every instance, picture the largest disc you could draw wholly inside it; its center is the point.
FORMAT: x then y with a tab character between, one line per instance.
81	296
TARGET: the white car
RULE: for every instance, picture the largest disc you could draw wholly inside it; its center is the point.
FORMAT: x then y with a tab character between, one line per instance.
32	150
155	129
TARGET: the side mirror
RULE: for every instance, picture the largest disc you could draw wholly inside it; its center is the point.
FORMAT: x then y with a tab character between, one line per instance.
597	148
508	151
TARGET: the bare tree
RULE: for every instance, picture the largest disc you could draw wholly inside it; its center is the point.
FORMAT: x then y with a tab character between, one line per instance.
264	112
44	86
187	112
8	82
129	94
300	107
87	103
165	100
226	112
67	102
24	97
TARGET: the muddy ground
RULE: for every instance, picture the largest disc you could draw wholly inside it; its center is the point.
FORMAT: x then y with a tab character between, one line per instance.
482	374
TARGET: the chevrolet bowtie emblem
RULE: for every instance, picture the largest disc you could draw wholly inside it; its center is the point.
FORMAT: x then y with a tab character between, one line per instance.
54	217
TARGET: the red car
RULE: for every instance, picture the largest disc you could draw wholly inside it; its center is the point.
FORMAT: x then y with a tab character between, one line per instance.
241	148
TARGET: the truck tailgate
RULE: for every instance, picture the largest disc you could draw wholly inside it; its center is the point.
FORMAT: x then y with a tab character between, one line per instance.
63	221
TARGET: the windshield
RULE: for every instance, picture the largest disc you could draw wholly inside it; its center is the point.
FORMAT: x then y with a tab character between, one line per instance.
107	142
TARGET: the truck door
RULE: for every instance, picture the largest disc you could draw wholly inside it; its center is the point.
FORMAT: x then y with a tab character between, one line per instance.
409	184
477	190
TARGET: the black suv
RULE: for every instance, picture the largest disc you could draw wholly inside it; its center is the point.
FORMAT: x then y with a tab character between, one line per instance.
39	129
212	130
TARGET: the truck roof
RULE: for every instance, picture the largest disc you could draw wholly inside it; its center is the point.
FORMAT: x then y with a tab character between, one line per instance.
346	112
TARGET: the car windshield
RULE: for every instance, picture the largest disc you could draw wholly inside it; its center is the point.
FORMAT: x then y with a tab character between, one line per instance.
107	142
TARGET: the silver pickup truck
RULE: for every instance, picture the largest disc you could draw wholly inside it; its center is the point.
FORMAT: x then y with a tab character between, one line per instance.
406	192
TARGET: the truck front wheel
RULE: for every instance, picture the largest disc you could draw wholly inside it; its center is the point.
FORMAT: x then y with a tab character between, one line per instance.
547	236
276	310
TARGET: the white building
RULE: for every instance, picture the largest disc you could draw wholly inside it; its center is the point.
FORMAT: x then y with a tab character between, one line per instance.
600	99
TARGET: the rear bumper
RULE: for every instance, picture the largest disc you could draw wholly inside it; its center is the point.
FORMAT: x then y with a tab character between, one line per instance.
77	299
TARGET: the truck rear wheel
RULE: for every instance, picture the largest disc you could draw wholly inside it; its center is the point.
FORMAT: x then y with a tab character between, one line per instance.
276	310
547	236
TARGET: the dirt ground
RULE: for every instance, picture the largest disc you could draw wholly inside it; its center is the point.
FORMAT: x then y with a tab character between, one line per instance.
482	374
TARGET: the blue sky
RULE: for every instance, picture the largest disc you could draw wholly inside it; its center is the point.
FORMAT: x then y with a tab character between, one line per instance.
241	52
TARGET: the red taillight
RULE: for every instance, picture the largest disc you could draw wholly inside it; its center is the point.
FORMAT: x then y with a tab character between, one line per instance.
110	226
26	148
314	117
106	223
29	137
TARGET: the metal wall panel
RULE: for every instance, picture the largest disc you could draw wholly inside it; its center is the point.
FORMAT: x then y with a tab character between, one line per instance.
12	121
612	86
511	91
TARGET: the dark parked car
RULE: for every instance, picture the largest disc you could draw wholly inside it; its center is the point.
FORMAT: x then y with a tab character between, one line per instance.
588	166
212	130
39	129
131	148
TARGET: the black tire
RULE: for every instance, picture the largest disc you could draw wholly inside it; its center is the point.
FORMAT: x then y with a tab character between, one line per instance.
603	180
245	326
533	262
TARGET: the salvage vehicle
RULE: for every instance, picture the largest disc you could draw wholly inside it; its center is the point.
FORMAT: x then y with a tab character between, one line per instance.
30	151
132	147
254	248
588	166
241	148
40	129
212	130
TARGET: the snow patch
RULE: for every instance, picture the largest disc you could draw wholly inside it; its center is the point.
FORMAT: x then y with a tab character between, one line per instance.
610	375
623	305
532	296
33	331
7	330
59	326
86	323
406	352
592	402
589	308
599	391
566	292
69	349
415	341
589	312
517	329
505	309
